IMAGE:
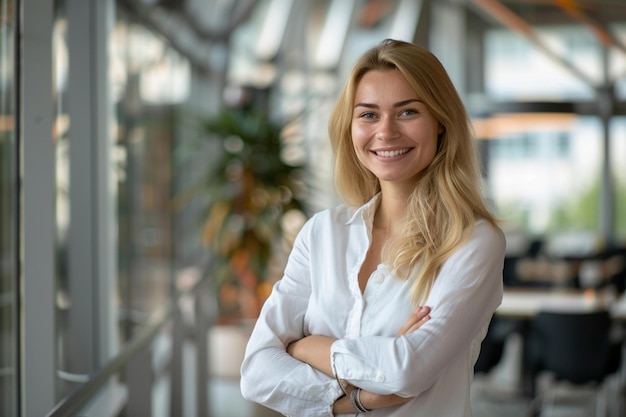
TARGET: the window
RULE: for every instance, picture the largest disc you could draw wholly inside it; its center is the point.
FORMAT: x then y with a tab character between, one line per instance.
545	173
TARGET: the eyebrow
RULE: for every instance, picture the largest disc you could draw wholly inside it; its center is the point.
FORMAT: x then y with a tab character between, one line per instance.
395	105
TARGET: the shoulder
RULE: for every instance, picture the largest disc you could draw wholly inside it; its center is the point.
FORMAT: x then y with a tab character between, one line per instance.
486	239
482	255
488	233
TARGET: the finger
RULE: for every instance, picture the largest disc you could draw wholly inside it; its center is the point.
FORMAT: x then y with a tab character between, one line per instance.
418	324
410	321
417	315
405	328
413	319
421	312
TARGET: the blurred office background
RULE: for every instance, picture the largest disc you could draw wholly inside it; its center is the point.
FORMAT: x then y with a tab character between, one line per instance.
158	156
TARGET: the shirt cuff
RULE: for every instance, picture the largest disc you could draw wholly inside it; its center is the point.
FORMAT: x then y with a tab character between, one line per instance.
350	367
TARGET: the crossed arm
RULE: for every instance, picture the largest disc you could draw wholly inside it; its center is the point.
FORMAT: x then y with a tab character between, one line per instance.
315	351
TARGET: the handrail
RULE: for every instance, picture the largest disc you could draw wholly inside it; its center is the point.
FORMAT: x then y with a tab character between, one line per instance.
72	404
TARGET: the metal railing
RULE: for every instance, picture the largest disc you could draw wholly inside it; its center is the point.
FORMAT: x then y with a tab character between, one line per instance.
136	356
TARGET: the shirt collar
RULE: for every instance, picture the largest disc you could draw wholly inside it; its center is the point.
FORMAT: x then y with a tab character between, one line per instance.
366	212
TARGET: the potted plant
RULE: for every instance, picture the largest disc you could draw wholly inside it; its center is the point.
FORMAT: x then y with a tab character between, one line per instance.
247	189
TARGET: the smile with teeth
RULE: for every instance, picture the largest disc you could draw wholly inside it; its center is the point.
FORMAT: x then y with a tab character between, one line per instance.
391	154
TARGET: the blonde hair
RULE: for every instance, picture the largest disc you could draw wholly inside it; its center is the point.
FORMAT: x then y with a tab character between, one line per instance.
447	199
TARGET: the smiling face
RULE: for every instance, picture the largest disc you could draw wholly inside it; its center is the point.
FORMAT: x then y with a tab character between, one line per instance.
393	133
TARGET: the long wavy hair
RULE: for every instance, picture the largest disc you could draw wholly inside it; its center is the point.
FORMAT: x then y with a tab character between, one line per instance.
448	198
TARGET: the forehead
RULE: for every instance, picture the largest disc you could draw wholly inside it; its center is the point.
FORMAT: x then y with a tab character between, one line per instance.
384	84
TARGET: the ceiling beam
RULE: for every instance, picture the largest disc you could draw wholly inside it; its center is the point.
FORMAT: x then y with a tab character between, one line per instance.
511	20
184	31
604	35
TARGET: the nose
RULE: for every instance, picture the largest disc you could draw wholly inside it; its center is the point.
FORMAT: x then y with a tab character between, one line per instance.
387	129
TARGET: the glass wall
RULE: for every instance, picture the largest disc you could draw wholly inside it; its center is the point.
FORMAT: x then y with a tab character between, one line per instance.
618	172
125	165
546	178
545	170
60	56
8	225
150	79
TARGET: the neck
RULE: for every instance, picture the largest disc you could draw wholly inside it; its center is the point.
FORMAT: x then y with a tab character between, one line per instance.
391	212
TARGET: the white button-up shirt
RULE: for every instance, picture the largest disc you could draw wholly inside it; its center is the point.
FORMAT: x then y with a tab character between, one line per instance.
319	294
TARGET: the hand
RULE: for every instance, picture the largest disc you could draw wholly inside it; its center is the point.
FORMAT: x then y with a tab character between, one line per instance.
415	320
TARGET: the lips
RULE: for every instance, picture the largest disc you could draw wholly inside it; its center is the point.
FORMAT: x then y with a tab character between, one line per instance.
391	154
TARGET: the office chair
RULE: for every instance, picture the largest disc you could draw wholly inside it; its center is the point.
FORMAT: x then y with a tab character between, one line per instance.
493	345
574	347
491	350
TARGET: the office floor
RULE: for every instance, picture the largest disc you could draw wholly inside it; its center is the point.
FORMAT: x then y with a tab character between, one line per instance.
493	395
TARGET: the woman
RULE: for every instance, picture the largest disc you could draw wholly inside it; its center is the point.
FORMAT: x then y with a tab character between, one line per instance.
385	300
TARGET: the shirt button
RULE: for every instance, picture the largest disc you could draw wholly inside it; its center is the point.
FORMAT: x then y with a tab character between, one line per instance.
380	278
380	377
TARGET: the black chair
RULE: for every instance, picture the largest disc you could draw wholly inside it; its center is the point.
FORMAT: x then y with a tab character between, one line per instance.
574	347
492	346
491	350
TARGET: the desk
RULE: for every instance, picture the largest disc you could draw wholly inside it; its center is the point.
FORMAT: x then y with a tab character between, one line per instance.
525	303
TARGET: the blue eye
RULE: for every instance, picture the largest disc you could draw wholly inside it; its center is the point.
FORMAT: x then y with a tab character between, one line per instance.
408	112
367	115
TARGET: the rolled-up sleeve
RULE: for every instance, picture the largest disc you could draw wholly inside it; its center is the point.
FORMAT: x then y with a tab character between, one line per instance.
269	375
466	292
